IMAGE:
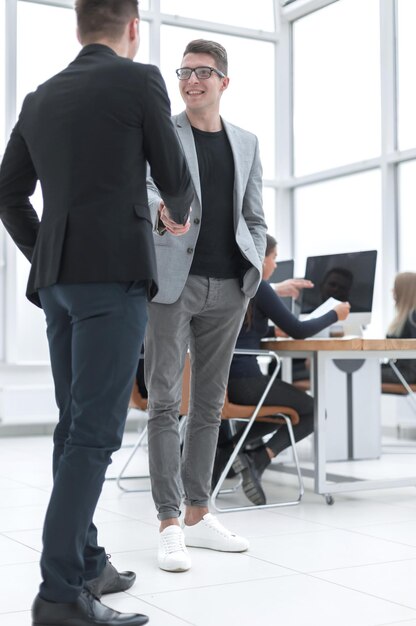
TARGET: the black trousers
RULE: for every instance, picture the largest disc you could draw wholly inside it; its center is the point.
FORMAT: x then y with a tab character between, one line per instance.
95	332
248	391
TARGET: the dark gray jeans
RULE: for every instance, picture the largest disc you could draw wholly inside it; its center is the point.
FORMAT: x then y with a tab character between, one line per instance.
206	320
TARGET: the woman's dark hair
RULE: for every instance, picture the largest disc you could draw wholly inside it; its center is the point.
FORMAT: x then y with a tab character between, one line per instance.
271	243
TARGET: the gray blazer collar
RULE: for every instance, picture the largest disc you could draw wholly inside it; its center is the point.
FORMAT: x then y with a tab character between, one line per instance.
184	130
186	138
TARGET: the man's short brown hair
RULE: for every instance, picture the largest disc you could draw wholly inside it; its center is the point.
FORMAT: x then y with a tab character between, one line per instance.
216	50
104	18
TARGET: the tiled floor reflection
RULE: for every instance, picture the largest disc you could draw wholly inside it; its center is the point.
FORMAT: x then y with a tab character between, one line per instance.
350	564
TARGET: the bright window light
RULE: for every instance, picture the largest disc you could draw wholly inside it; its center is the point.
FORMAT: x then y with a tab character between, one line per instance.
336	86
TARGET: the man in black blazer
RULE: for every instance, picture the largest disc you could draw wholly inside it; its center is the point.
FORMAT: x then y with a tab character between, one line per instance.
86	135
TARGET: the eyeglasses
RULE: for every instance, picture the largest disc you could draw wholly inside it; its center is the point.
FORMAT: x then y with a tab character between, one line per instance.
202	73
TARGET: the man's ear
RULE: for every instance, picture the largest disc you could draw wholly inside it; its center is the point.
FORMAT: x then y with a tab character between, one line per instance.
134	29
225	83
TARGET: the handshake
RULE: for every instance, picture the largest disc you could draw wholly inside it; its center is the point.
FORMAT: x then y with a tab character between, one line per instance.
166	223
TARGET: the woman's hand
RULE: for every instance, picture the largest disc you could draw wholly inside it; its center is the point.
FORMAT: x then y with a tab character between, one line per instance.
342	310
278	332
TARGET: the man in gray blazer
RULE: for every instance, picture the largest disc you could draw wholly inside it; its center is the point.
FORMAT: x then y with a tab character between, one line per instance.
206	278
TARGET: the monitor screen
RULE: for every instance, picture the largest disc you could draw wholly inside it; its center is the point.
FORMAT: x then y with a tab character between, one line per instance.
346	277
283	271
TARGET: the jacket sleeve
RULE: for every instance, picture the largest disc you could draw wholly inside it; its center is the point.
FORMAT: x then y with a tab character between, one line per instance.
17	183
253	205
168	167
273	308
154	198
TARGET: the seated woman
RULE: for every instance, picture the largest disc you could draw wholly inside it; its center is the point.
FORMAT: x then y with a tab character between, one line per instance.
247	383
403	326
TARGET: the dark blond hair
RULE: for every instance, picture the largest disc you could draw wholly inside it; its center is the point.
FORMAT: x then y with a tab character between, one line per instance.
104	18
214	49
405	296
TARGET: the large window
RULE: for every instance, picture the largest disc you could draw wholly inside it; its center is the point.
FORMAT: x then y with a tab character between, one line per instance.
143	54
42	50
406	48
233	12
249	99
336	86
340	215
407	220
269	207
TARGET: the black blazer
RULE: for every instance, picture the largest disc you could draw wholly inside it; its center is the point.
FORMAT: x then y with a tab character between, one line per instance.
87	134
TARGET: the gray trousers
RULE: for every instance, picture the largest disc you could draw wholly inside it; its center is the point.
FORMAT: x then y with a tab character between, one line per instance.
206	319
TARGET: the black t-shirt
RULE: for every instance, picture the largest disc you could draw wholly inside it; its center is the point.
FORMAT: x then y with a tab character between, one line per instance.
216	253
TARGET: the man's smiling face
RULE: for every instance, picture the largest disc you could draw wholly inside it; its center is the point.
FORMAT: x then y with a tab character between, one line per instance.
201	94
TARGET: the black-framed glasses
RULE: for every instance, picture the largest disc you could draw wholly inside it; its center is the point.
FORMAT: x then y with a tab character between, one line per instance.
202	73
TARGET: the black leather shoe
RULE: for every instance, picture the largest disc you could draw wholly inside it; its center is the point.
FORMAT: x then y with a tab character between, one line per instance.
86	611
245	465
110	581
251	483
260	458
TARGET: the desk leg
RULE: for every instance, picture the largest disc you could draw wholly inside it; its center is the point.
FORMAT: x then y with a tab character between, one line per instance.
287	369
319	379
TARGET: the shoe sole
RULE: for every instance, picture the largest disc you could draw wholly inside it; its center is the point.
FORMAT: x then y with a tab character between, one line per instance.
239	464
176	569
204	544
252	488
143	621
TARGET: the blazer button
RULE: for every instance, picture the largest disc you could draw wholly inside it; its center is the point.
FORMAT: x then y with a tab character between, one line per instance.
190	250
196	220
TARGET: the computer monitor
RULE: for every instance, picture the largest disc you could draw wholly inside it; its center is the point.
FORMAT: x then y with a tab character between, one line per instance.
346	277
283	271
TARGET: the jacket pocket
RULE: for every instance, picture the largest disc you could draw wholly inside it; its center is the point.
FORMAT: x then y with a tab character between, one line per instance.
142	211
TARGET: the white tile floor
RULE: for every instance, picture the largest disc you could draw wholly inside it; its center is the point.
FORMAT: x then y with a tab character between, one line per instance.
351	564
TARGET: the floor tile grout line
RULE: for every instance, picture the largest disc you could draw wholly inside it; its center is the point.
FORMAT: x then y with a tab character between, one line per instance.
20	542
364	593
210	586
372	564
393	541
163	610
377	564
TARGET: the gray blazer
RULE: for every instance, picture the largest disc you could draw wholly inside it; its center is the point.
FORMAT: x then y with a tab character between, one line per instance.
174	254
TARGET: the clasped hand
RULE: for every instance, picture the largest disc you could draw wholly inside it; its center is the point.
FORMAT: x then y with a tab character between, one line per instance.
171	226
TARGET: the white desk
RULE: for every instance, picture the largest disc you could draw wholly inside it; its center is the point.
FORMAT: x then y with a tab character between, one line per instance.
320	351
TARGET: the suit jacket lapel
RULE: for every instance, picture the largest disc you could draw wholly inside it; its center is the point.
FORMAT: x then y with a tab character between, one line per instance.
184	130
239	167
186	138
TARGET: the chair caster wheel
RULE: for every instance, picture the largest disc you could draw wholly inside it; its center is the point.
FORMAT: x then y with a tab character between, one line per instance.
329	499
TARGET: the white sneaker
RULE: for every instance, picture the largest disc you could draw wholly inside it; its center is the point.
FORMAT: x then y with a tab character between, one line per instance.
210	533
172	555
